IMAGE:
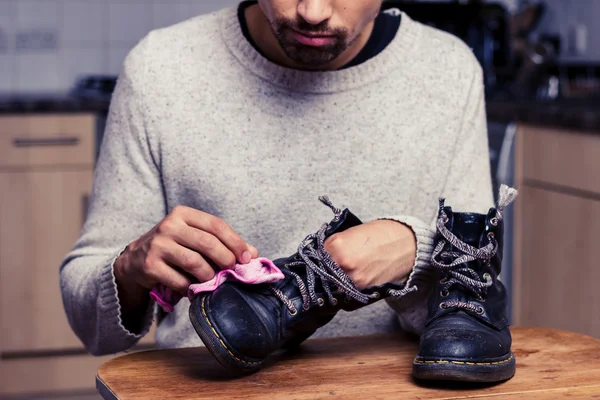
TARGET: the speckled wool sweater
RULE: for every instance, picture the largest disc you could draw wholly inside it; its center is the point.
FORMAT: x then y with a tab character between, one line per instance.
200	119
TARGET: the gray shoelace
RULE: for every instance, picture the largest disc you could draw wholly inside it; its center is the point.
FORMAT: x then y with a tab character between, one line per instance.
456	270
318	262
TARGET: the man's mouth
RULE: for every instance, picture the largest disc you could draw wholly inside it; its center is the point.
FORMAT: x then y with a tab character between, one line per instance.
313	39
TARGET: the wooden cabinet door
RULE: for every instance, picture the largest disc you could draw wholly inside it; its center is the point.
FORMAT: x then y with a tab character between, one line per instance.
559	274
41	215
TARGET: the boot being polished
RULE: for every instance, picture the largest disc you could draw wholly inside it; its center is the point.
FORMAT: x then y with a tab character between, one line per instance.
243	324
467	337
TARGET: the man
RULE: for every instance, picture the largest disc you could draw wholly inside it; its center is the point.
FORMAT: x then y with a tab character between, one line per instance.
225	129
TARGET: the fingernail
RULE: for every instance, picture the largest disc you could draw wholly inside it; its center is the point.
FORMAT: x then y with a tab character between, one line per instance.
252	248
246	257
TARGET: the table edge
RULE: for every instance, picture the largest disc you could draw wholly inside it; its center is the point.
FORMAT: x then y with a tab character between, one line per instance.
104	391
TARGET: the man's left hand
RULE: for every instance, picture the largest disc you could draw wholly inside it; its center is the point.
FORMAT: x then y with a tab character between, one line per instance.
375	252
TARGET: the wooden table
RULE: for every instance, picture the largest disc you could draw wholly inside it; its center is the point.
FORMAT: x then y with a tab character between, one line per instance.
550	364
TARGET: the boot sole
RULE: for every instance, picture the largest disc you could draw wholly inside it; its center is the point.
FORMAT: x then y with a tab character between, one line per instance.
463	371
216	345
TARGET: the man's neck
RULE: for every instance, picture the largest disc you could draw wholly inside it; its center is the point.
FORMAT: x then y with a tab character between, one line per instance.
262	34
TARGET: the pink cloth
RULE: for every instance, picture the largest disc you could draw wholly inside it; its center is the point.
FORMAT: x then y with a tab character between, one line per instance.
257	271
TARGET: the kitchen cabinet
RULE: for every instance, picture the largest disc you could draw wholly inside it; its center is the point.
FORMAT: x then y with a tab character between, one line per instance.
46	174
45	210
557	218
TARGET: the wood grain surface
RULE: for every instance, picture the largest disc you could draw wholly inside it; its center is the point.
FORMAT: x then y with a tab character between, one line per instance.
550	364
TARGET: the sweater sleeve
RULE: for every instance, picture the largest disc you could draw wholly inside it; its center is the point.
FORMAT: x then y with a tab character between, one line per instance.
126	201
468	188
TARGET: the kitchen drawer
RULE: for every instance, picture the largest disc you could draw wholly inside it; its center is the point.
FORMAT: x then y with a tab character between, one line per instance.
48	376
559	157
47	140
45	376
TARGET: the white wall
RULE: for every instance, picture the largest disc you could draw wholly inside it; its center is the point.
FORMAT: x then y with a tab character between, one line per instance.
46	44
566	17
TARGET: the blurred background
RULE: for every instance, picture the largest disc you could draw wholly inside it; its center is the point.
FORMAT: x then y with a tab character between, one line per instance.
59	60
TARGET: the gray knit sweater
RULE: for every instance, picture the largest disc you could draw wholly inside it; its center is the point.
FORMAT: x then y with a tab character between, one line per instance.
199	118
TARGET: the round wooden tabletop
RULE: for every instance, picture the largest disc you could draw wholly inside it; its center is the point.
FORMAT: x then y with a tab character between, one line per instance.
550	364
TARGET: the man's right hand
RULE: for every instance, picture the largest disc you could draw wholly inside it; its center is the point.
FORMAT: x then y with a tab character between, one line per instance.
184	245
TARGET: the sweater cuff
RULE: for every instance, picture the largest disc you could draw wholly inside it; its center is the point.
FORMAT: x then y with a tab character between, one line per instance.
412	305
110	310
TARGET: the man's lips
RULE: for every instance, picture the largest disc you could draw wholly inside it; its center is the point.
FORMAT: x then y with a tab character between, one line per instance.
308	39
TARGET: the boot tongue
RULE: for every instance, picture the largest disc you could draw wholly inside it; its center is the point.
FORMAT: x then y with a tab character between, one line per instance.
342	222
468	227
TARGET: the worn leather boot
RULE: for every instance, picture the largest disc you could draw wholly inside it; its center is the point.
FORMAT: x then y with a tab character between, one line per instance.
243	324
467	337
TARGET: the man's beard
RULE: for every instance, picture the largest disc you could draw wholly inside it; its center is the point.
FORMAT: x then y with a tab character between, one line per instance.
312	57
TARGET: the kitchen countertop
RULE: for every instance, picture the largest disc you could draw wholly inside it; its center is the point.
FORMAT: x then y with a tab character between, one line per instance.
51	104
580	114
571	114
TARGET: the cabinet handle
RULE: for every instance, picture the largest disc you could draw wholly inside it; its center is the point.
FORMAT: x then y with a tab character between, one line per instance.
35	142
85	203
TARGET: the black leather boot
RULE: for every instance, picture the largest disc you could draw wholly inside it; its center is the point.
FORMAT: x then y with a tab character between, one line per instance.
467	337
243	324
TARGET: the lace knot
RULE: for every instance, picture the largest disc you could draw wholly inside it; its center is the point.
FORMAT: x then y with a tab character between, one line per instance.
318	263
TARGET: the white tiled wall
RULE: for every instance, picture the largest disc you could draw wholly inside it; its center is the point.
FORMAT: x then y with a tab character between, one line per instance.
93	37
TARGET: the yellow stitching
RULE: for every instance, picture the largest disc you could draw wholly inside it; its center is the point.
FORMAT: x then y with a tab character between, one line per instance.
462	362
220	340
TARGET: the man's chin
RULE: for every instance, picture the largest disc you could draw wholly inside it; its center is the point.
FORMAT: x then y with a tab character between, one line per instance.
310	58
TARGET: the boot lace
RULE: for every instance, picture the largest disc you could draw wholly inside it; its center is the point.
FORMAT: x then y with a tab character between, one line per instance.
318	263
454	263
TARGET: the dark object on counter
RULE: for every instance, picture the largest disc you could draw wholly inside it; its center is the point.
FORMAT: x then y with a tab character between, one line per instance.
483	27
241	325
526	20
98	87
569	114
467	337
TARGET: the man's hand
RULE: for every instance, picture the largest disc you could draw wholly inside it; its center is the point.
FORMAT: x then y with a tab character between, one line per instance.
375	252
186	245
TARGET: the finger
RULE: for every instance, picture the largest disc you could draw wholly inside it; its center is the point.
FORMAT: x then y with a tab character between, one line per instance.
189	261
253	251
207	245
168	276
219	229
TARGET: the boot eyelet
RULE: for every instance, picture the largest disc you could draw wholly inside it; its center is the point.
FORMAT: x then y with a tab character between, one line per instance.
443	281
305	307
443	306
334	302
494	221
486	276
286	265
444	293
376	295
480	310
321	302
491	236
292	313
297	257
